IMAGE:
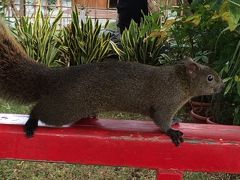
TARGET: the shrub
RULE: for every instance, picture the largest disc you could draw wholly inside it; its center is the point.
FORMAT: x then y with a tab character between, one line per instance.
146	43
38	37
83	42
212	36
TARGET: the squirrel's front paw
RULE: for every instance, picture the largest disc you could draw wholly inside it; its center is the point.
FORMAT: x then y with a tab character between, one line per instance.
176	136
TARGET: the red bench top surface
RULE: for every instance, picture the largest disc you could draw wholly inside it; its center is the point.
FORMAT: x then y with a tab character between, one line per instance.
211	148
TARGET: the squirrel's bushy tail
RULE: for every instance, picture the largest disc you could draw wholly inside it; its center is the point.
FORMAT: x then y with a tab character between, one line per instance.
21	78
8	44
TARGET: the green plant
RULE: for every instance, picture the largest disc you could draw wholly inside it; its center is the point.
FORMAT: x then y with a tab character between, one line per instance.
82	42
212	36
3	6
196	35
38	37
229	68
146	43
228	62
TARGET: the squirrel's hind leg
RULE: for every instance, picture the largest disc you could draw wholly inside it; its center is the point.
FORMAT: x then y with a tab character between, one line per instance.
32	123
30	127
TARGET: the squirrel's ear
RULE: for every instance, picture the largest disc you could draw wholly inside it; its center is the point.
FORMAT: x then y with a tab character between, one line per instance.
192	68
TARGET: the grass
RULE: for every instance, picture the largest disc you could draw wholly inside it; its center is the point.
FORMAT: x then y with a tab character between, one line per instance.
59	171
21	170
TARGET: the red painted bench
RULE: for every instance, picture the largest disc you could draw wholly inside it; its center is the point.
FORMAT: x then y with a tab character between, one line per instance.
208	148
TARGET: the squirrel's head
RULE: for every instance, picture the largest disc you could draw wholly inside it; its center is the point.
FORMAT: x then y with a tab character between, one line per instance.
203	79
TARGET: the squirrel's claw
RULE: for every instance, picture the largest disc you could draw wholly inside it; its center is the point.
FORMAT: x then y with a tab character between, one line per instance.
176	136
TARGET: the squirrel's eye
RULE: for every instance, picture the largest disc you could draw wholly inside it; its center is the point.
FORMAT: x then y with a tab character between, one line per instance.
210	77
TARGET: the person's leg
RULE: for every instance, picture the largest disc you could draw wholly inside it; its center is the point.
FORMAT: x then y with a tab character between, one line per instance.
124	17
130	9
141	7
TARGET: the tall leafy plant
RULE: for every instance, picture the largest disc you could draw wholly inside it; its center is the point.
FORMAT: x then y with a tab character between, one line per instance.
82	42
146	43
229	68
38	37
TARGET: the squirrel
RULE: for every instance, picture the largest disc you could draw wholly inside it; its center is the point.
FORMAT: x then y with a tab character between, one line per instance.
65	95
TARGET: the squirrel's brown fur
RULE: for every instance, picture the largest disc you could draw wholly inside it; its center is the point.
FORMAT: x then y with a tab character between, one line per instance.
65	95
21	78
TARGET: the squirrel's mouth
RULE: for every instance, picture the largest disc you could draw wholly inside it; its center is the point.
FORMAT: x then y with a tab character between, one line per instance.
219	89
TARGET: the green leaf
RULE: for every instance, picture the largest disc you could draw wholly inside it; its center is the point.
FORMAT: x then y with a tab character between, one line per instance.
234	7
228	87
195	19
238	88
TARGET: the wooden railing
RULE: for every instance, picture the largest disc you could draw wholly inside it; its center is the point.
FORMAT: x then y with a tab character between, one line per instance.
207	148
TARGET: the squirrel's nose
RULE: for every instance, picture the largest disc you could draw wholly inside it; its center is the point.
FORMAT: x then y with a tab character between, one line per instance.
221	87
